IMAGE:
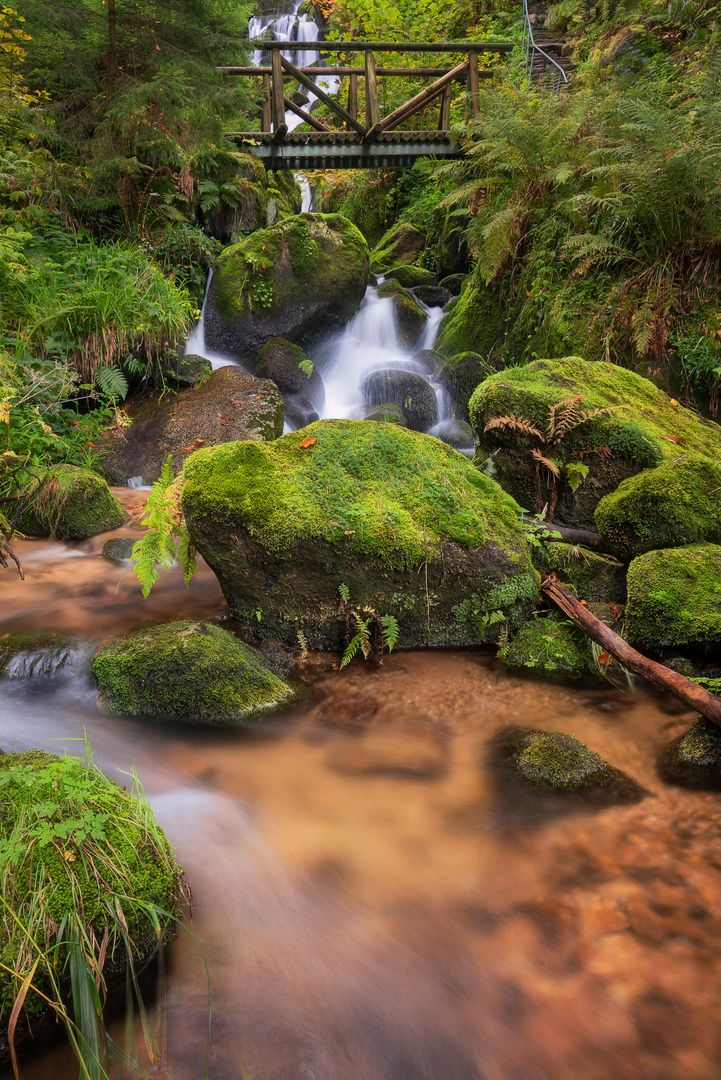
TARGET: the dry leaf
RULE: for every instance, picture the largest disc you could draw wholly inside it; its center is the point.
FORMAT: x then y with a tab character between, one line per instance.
308	441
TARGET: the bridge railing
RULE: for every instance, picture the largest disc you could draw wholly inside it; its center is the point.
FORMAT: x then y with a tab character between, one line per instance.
276	102
531	48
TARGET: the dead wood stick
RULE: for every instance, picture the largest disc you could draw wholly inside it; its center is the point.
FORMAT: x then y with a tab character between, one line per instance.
5	551
568	536
684	689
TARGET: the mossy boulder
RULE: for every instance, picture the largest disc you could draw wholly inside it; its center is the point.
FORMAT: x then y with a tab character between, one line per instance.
627	429
78	840
70	504
454	283
388	413
550	648
301	277
413	395
230	405
456	433
257	195
674	599
183	371
675	504
403	243
409	316
694	759
596	578
476	323
431	295
364	505
411	276
289	368
193	671
40	655
560	762
460	375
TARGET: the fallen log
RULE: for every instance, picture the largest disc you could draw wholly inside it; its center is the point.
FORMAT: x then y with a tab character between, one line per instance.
546	529
693	695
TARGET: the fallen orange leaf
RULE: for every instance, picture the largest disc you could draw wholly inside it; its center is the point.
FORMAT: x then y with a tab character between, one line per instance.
676	439
305	443
605	659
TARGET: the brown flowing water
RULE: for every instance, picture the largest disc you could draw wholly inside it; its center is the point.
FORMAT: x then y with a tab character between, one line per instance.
375	897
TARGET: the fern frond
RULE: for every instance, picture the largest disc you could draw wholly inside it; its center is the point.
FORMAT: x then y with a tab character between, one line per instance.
111	382
390	631
562	418
344	593
513	423
550	465
350	650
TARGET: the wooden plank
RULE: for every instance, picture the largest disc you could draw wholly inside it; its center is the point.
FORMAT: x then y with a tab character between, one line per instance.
373	114
473	81
422	99
280	133
353	96
444	116
381	72
320	94
266	113
404	112
317	124
383	46
277	91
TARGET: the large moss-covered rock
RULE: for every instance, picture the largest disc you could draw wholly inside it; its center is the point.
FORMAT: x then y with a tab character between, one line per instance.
289	368
411	276
77	840
409	316
70	504
675	504
694	759
596	578
230	405
364	505
403	243
560	762
303	276
476	323
627	430
674	599
194	671
413	395
550	648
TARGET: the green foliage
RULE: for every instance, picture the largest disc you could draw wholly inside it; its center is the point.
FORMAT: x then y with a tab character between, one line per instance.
166	538
384	629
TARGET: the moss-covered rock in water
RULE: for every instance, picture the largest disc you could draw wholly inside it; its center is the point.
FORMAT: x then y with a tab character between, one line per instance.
35	655
628	427
460	375
560	762
409	316
119	548
365	505
410	392
677	503
389	413
194	671
230	405
403	243
694	759
454	283
77	840
70	504
476	323
411	276
595	577
289	368
183	371
551	648
674	599
303	276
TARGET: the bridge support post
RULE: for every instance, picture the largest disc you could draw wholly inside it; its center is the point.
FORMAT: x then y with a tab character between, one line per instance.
353	96
267	107
373	114
278	103
473	81
444	116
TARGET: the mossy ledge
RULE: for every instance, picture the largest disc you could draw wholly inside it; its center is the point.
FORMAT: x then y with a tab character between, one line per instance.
550	648
76	839
192	671
372	506
674	600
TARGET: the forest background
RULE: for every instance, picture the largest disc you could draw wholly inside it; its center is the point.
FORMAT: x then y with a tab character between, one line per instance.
589	221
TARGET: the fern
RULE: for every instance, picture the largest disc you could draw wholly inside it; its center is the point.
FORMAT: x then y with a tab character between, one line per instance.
158	547
513	423
344	593
111	382
390	631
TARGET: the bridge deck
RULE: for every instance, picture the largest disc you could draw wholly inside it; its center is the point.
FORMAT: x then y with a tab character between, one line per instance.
346	150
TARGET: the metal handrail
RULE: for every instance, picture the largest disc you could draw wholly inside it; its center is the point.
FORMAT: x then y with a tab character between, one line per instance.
530	47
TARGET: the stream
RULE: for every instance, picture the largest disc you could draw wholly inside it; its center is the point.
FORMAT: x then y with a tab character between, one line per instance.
374	895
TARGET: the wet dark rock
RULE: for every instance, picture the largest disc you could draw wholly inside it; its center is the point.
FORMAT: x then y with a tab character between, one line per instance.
350	712
455	433
429	360
290	369
299	411
411	276
410	392
119	548
431	295
410	317
403	243
460	375
38	655
404	751
694	759
184	371
454	283
230	405
390	413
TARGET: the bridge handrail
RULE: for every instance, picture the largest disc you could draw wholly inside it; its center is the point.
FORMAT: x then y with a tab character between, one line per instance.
384	46
529	44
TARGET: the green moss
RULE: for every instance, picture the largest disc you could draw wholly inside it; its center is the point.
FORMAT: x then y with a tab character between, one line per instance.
303	249
675	504
196	671
71	504
390	413
694	759
409	315
475	324
561	762
674	599
403	243
460	375
550	647
75	839
596	578
411	276
376	488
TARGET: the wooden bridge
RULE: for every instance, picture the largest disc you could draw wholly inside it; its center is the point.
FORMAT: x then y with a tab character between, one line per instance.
377	143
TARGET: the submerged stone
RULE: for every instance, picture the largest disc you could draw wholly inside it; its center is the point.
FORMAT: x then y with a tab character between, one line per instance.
118	548
194	671
284	524
563	763
409	316
413	395
694	759
71	504
674	599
